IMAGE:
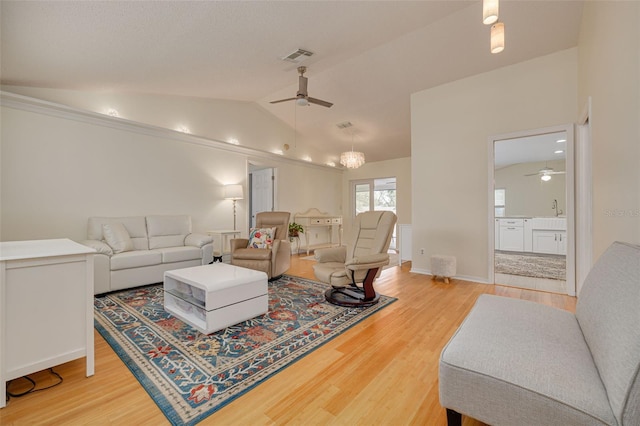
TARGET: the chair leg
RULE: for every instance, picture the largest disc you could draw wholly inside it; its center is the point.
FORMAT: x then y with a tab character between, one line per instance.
453	418
367	284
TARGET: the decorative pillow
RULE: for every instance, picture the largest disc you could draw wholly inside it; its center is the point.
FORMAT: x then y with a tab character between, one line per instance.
116	235
261	237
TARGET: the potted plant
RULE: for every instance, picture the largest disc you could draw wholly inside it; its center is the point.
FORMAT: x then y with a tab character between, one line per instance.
295	229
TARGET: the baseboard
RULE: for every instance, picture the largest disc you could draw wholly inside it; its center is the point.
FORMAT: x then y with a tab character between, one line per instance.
478	280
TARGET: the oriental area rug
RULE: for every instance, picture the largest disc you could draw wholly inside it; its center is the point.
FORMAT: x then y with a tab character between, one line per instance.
191	375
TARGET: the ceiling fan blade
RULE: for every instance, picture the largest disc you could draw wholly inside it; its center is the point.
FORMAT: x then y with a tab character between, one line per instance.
283	100
533	174
555	173
319	102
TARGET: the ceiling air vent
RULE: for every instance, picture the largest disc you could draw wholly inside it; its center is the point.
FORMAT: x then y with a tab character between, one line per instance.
297	56
344	125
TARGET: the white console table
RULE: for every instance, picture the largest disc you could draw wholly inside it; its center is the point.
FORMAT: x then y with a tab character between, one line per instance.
314	218
46	307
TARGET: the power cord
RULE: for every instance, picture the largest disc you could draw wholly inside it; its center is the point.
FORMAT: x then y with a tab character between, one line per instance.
32	389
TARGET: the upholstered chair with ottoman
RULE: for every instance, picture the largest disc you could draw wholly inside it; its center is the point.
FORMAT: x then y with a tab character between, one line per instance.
359	262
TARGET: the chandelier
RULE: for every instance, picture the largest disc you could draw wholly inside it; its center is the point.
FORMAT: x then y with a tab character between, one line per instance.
352	159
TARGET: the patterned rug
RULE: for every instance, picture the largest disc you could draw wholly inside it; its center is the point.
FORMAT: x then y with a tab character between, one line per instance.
191	375
531	265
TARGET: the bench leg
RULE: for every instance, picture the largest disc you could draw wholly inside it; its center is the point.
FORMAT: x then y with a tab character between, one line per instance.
453	418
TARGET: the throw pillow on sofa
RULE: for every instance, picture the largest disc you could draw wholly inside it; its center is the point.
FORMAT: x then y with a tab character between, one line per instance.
261	237
117	237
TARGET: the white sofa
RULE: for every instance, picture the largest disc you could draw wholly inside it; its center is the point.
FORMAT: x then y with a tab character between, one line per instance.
134	251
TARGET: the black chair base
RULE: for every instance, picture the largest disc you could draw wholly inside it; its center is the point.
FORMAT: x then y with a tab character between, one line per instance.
349	298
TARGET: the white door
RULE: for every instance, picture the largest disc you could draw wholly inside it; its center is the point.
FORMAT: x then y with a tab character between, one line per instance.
262	182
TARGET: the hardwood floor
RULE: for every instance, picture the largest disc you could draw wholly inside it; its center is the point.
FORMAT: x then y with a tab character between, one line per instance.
382	371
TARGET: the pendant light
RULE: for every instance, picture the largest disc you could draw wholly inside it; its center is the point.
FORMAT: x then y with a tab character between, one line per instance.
490	11
497	37
352	159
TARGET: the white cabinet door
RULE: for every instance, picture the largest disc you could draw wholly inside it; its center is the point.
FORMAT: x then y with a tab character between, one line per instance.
496	233
562	243
545	242
511	238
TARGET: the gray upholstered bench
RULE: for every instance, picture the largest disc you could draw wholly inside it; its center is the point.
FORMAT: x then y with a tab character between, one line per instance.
515	362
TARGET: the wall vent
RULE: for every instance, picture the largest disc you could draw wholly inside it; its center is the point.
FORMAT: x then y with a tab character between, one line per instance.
344	125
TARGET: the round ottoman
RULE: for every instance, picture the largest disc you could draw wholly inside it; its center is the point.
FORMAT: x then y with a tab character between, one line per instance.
443	266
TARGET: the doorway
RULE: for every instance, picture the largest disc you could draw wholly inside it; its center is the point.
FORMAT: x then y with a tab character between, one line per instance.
531	225
261	191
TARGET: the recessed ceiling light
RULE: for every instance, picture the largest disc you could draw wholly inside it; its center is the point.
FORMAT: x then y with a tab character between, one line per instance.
561	140
558	151
233	141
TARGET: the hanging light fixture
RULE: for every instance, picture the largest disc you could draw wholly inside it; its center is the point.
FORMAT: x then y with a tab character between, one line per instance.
497	37
352	159
490	11
545	177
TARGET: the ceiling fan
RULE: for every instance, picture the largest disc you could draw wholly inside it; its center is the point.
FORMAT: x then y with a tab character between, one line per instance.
302	97
546	172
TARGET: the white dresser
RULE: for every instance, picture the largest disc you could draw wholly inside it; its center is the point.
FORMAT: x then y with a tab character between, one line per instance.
46	307
314	220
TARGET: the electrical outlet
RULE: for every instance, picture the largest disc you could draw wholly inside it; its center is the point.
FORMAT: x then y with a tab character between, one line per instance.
421	251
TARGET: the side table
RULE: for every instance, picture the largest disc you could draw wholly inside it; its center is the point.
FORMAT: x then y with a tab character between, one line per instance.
221	244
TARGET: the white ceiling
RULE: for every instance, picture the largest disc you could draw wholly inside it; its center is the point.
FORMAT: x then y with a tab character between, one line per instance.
369	56
530	149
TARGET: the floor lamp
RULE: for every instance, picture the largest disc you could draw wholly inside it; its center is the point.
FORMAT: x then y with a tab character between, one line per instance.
233	192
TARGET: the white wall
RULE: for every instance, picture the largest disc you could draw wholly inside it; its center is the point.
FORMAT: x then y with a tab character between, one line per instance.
59	168
215	119
609	72
450	128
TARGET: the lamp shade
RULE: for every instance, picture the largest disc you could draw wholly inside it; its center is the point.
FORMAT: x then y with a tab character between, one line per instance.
490	11
233	192
497	37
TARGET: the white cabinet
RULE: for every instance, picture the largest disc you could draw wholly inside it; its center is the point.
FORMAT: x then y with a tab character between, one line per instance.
550	242
46	307
511	234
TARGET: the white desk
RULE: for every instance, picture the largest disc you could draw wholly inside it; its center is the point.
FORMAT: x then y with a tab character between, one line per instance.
221	244
46	307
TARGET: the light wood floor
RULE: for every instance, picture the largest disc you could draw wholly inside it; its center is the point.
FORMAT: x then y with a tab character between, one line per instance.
382	371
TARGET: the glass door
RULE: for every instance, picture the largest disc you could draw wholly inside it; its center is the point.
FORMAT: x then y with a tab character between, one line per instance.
374	194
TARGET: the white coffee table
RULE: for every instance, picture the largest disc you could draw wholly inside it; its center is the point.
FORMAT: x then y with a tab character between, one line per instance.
216	296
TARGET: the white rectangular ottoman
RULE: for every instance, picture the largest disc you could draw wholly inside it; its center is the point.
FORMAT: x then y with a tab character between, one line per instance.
216	296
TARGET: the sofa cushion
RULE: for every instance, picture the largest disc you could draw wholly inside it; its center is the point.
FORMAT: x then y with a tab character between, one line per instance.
168	231
116	235
136	227
608	311
261	237
516	362
135	259
180	254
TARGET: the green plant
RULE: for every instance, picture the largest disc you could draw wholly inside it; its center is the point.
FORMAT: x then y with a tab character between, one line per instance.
295	229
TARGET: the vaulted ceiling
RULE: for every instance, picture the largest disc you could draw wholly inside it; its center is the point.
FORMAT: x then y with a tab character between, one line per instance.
369	56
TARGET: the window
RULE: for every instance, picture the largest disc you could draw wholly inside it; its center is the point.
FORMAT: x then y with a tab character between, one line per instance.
374	194
499	202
